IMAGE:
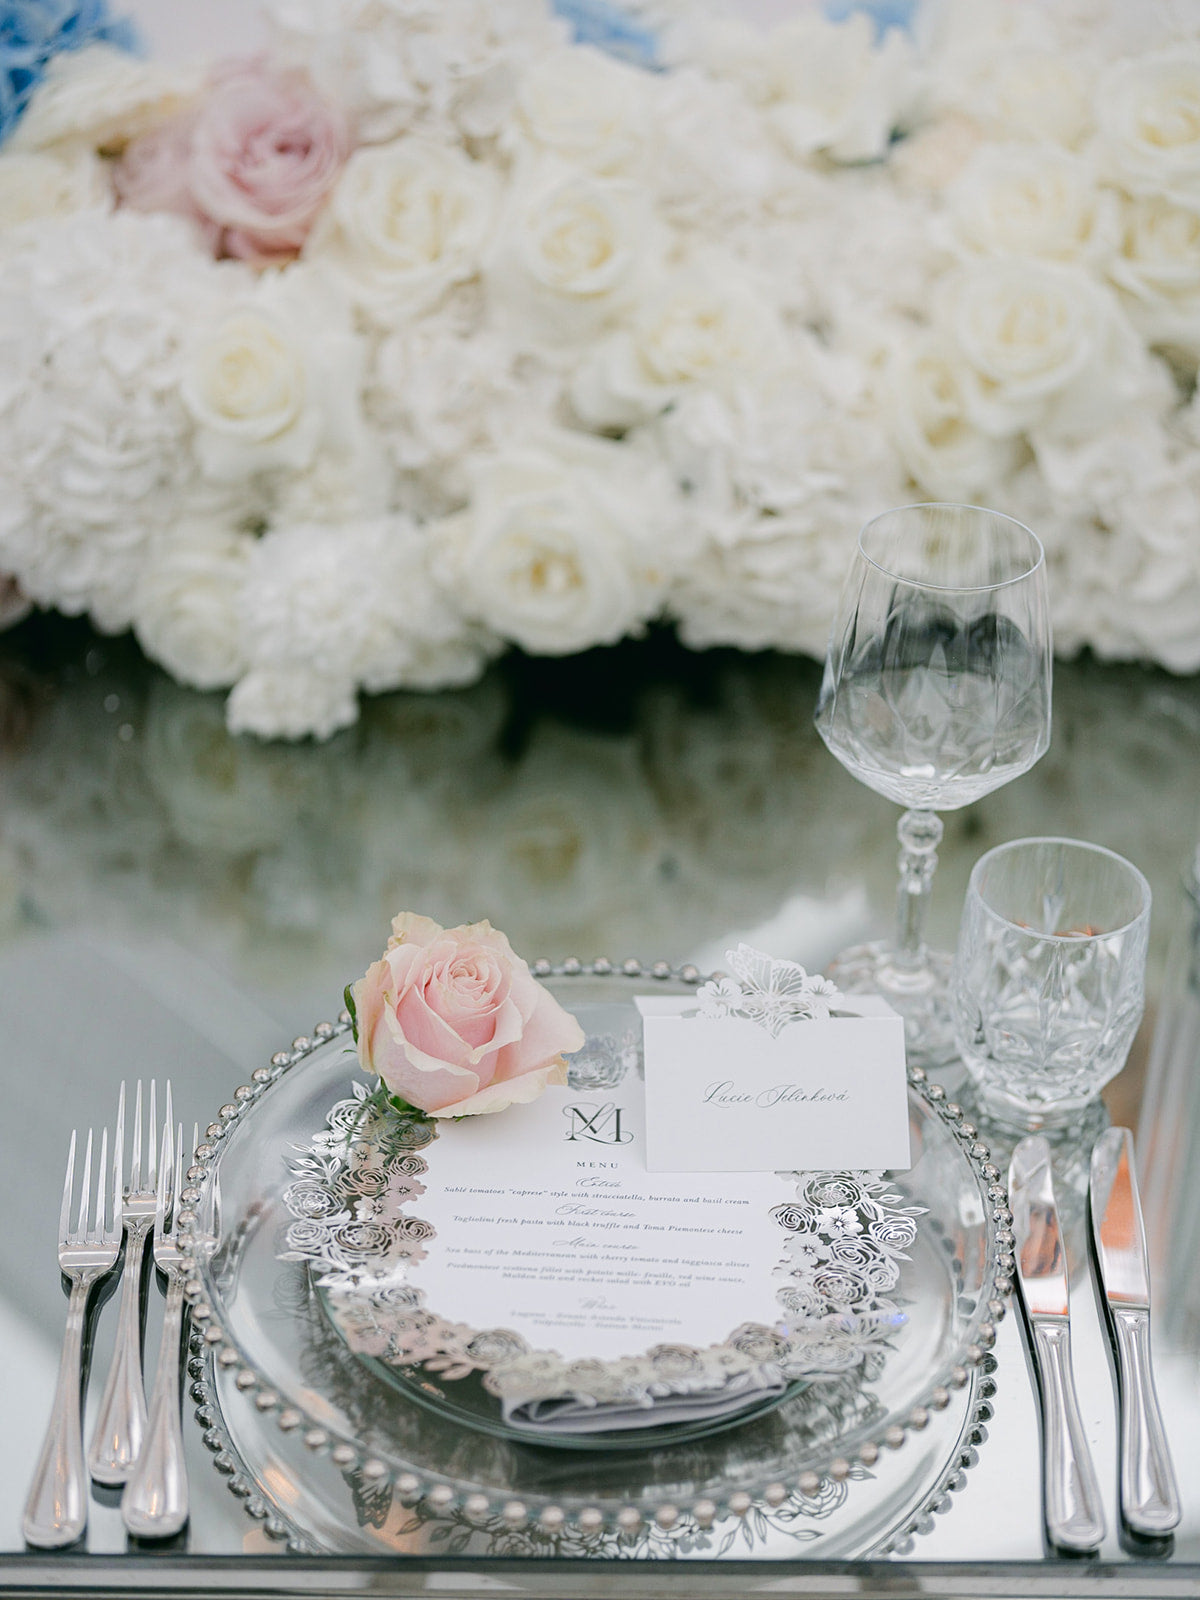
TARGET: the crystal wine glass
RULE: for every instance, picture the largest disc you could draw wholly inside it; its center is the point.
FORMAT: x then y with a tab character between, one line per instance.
936	691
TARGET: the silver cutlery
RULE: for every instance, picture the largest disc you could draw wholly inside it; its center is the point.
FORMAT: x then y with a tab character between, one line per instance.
121	1422
1149	1494
1070	1492
155	1502
57	1507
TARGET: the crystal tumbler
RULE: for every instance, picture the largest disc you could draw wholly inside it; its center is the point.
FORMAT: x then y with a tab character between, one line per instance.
1048	983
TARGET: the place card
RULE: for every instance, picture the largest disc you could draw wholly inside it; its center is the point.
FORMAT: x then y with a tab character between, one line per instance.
775	1073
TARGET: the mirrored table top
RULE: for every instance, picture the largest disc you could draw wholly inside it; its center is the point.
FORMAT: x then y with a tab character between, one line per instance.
177	901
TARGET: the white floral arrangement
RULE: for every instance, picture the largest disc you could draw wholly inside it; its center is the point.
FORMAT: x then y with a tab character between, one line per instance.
429	332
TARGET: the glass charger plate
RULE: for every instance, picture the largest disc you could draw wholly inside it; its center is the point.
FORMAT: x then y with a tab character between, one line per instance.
275	1350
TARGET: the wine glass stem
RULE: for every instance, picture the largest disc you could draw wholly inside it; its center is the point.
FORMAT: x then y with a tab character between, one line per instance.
920	833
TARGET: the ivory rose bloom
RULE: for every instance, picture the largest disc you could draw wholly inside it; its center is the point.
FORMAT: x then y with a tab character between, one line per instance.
574	252
585	107
406	222
452	1020
1041	344
567	543
1158	270
1148	111
1031	200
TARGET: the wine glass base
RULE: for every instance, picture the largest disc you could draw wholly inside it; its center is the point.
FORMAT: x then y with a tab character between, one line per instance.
920	994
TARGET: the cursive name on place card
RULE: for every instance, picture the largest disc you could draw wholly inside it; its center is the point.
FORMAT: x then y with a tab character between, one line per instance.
725	1093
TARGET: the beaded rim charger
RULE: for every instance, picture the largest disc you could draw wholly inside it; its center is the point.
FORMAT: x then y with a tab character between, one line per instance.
216	1343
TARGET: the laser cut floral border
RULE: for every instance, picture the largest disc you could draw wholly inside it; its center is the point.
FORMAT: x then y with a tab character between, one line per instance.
351	1198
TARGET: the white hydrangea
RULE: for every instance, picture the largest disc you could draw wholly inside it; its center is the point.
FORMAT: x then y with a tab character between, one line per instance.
826	88
325	609
93	434
446	66
185	602
778	483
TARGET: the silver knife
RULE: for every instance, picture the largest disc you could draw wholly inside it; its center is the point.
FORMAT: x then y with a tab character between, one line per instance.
1149	1493
1070	1492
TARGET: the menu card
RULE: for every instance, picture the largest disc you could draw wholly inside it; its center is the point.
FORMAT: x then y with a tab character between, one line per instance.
549	1224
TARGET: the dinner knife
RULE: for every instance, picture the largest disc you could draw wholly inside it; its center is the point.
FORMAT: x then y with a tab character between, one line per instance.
1149	1493
1070	1491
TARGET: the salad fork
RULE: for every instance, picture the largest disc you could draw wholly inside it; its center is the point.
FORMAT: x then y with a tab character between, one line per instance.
56	1509
121	1423
155	1502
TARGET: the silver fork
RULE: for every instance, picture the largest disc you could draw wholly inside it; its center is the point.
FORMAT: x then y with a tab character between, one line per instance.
56	1509
155	1502
121	1423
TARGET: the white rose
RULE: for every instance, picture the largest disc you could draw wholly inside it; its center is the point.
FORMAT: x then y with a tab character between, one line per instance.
585	108
275	380
565	543
927	409
1031	200
703	326
1042	345
40	184
100	98
185	600
1148	116
1158	269
574	251
1041	95
405	222
832	88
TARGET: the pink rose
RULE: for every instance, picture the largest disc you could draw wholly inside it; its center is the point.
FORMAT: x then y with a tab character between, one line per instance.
154	174
253	162
454	1022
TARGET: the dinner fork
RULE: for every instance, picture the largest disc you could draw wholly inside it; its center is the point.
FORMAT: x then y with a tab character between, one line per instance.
56	1509
155	1502
121	1423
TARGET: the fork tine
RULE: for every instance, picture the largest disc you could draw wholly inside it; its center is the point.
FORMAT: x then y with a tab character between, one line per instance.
85	1198
118	1194
64	1218
178	1175
162	1204
135	1154
152	1140
100	1227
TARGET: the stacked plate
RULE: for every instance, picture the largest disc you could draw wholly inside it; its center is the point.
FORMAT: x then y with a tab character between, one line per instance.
391	1442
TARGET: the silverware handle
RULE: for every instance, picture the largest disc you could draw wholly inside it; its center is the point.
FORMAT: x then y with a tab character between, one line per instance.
155	1502
121	1423
57	1508
1149	1493
1074	1516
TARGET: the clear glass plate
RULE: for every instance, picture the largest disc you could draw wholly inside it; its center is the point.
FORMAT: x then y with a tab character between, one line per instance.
274	1348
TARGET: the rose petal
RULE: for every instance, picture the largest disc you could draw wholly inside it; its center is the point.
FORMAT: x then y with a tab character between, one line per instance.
514	1091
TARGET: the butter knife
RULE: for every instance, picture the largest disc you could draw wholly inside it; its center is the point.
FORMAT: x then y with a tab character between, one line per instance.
1070	1492
1149	1493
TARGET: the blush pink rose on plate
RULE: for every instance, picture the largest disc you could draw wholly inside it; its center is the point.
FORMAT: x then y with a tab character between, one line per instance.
253	162
453	1021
